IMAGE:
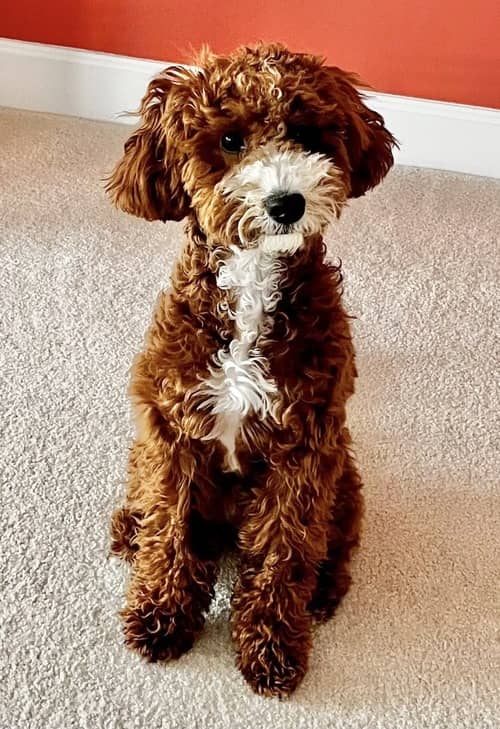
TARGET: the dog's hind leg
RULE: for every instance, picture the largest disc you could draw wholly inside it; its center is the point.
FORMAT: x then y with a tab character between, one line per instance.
125	525
126	520
334	577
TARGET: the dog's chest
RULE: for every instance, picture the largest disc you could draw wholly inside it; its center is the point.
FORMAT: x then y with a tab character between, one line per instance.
239	383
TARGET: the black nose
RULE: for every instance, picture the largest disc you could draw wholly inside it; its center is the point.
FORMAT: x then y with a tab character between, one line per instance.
284	208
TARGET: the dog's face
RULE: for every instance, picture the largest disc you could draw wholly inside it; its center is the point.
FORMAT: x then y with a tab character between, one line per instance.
263	141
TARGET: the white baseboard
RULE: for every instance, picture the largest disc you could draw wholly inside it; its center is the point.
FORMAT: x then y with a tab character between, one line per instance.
102	85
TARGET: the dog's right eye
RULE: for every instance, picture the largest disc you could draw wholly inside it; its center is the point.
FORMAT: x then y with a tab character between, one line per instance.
232	142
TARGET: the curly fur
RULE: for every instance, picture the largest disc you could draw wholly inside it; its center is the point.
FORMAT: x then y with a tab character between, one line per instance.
240	392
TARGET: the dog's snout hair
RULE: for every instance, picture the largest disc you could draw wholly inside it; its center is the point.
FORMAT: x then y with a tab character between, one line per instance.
272	171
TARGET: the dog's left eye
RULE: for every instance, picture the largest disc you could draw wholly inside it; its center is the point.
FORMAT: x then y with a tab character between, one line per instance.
232	142
308	137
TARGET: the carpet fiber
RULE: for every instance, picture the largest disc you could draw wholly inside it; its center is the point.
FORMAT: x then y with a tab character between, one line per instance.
415	644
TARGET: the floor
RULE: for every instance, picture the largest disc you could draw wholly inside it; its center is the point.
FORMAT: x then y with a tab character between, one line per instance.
416	644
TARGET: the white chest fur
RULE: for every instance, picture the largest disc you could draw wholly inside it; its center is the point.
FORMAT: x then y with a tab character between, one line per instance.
239	383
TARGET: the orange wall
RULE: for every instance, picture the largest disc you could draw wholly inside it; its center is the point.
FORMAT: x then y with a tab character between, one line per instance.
439	49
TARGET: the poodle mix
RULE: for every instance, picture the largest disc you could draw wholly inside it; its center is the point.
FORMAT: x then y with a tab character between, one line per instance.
240	393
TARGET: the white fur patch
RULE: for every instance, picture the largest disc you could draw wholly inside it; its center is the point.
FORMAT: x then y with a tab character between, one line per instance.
239	382
286	244
284	171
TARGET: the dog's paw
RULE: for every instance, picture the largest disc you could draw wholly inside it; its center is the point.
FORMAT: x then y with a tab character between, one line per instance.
323	605
273	669
331	588
125	525
156	635
322	610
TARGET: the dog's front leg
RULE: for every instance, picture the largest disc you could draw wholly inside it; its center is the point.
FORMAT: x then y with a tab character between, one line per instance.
282	542
172	583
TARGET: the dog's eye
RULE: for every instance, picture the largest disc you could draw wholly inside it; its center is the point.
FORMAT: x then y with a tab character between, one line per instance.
308	137
232	142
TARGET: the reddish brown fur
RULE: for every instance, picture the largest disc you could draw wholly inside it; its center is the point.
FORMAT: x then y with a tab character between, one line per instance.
293	513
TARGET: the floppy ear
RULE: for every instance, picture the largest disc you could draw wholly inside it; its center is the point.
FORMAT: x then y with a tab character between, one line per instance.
146	182
369	144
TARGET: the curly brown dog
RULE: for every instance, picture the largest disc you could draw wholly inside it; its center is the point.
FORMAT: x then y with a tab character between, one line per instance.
240	393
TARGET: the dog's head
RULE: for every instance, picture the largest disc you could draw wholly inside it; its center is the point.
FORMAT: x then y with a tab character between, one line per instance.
263	141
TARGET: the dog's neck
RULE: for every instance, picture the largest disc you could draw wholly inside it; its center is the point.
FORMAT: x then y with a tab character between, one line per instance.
203	253
205	262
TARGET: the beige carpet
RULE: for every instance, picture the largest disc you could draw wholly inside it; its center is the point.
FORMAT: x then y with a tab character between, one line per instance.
416	643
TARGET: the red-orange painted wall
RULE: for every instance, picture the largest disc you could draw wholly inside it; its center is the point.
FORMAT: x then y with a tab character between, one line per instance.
438	49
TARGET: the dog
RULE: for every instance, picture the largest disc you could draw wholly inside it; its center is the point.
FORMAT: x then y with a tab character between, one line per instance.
240	392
